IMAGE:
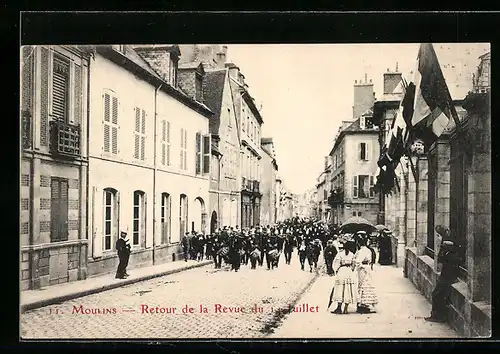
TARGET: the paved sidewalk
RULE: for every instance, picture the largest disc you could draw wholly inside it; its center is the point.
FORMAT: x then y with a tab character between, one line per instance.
32	299
400	313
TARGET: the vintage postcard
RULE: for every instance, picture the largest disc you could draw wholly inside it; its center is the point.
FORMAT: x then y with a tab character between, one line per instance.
178	191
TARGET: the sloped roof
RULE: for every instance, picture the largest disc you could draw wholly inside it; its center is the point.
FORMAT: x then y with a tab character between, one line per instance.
213	89
266	140
191	65
132	54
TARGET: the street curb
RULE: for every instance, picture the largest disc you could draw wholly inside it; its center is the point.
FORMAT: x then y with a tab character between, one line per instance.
77	294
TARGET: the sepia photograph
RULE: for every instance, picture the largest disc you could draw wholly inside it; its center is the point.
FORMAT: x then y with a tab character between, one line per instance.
255	191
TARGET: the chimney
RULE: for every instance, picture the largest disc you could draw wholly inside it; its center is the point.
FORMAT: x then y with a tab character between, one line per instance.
363	97
221	60
160	57
233	71
391	80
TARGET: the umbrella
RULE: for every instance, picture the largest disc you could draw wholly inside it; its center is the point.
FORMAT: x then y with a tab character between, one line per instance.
381	227
355	224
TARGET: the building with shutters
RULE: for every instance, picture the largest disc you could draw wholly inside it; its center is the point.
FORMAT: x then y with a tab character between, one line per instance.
54	165
352	162
149	155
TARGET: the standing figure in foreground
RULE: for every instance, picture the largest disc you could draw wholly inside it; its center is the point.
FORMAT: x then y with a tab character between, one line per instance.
345	289
366	291
288	247
385	248
448	257
123	248
329	254
185	246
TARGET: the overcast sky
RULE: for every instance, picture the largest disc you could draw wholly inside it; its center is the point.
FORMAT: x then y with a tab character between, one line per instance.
307	90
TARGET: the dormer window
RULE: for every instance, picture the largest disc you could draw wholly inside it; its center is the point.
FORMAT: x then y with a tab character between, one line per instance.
362	122
198	87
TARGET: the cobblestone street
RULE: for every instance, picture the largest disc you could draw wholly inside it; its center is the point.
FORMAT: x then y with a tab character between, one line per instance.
121	313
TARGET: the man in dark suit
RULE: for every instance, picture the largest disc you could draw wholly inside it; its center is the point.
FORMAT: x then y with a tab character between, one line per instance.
123	248
448	257
185	246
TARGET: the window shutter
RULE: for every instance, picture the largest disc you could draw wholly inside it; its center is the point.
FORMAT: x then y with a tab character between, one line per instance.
168	143
143	126
44	96
206	153
168	131
185	149
359	151
28	54
77	117
106	128
181	161
97	221
137	120
198	153
143	147
372	183
355	186
145	240
163	130
60	86
114	119
114	139
54	210
368	151
163	153
63	210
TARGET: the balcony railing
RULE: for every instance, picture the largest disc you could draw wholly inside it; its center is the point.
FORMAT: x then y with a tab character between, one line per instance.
250	185
64	138
26	129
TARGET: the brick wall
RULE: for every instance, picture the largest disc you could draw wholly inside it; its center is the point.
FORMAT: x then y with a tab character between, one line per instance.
159	61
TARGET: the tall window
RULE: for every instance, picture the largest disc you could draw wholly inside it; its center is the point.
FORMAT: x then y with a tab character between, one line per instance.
183	215
110	124
111	212
59	209
198	153
183	152
139	219
60	89
364	186
165	142
165	218
364	151
206	153
140	134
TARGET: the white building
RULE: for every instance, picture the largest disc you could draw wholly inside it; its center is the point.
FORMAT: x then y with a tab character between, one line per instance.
149	156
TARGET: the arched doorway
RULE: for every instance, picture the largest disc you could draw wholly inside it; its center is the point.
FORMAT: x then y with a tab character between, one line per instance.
199	216
213	223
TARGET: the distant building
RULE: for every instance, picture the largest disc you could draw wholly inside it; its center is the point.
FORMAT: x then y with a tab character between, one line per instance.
269	174
353	162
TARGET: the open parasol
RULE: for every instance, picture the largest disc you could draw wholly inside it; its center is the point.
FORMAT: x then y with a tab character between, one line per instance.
381	227
355	224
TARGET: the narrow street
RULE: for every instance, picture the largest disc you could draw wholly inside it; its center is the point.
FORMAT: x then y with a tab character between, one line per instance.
121	312
146	309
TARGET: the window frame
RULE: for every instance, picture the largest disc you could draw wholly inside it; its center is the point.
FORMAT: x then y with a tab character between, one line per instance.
114	219
111	123
165	143
141	219
55	56
59	231
199	154
363	149
166	218
183	150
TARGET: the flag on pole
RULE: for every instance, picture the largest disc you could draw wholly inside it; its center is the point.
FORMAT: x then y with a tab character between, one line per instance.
433	106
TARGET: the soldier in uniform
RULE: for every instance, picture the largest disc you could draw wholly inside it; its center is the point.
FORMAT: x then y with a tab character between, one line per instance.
185	246
236	245
123	247
272	244
288	246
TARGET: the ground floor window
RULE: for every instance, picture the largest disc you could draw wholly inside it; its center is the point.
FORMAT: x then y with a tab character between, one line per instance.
165	218
111	212
139	219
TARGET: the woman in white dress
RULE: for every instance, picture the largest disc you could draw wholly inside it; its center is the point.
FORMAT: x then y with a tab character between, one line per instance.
366	291
345	288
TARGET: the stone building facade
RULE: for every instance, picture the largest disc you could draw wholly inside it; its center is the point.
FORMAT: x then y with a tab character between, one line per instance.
149	156
54	165
450	186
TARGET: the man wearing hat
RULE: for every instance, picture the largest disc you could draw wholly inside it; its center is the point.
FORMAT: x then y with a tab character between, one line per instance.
385	248
123	248
185	246
448	257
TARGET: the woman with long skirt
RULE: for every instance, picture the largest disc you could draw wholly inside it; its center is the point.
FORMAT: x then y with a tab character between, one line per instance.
345	289
366	291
